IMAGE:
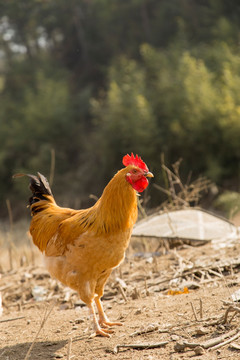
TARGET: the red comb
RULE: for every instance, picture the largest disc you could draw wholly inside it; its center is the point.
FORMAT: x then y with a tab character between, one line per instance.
134	160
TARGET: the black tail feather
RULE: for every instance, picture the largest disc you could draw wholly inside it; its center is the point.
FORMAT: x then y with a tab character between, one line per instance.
39	186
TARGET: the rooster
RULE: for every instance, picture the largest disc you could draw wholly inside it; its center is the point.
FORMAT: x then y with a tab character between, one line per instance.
82	247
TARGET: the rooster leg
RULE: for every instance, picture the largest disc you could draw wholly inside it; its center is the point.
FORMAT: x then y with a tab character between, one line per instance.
98	330
103	320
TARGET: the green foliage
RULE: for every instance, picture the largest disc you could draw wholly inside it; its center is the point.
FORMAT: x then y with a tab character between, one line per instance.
229	202
197	108
94	80
124	116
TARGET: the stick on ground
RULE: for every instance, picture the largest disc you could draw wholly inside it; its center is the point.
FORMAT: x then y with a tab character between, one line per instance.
194	311
69	349
12	319
140	346
226	342
122	292
46	316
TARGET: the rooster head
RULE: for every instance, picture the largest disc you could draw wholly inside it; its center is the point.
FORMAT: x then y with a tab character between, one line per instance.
137	172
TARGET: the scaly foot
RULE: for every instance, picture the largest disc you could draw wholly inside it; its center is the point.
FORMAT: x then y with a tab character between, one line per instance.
107	323
102	332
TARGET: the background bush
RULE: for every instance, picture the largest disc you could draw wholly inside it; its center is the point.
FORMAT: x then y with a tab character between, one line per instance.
94	80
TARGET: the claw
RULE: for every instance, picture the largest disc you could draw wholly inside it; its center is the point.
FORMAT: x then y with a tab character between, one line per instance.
101	327
102	332
105	324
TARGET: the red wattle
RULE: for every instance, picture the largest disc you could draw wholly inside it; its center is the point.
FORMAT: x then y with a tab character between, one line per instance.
140	184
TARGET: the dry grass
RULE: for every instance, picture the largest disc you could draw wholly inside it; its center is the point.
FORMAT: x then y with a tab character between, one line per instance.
16	248
147	281
181	194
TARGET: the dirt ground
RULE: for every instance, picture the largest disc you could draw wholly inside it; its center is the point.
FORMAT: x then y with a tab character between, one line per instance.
43	320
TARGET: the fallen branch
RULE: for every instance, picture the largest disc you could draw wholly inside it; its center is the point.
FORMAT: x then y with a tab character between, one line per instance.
222	265
148	329
230	308
226	342
235	346
140	346
206	322
12	319
69	348
211	344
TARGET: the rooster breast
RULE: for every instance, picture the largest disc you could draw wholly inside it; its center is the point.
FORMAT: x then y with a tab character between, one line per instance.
88	257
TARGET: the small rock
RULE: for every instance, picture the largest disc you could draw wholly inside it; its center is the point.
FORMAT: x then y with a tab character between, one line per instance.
175	337
79	321
236	296
138	312
201	331
199	350
108	350
39	293
149	260
179	346
28	275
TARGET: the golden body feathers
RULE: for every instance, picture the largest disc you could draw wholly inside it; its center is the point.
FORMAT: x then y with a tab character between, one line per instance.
85	245
81	247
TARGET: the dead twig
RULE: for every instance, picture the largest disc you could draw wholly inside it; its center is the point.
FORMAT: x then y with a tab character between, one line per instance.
227	341
122	292
148	329
12	319
69	348
45	317
211	344
201	309
199	269
180	194
205	322
230	308
215	273
141	208
194	311
140	346
235	346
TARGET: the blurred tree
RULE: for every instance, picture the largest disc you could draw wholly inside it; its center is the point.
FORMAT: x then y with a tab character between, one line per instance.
123	117
96	79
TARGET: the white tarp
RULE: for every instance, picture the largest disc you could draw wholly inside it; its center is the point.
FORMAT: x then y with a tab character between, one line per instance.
195	224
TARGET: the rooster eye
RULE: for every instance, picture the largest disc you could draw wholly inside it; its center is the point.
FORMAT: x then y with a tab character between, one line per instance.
134	171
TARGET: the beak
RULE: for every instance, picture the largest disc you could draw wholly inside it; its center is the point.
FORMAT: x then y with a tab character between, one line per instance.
149	174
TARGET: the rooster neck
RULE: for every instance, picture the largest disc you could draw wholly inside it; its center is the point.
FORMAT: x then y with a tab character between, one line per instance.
117	207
